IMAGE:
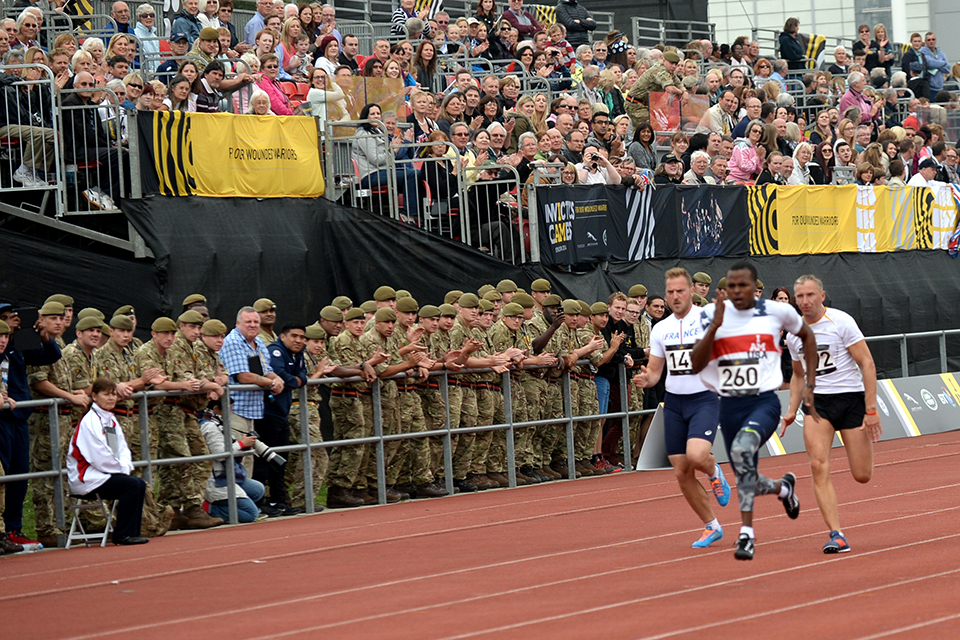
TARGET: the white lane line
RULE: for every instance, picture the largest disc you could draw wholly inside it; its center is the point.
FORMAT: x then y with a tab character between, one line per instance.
566	553
912	627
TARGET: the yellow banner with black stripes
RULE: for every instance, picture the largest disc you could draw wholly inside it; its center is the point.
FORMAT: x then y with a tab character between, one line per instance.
834	219
225	155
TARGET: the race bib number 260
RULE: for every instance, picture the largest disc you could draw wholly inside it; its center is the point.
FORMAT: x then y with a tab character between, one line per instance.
739	377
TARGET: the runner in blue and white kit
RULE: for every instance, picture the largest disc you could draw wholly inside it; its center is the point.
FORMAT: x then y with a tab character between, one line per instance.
738	356
844	400
690	409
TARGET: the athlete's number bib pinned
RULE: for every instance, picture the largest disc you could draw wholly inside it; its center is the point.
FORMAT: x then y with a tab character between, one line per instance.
679	359
739	377
825	363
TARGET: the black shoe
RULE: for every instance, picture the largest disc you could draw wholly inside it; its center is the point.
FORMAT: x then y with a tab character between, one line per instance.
431	490
270	510
408	488
132	540
791	503
464	486
341	498
286	509
530	472
744	550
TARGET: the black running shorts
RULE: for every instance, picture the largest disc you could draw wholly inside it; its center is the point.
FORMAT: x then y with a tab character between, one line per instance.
843	410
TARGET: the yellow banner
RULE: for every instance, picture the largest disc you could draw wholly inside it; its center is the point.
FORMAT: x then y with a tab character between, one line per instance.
816	219
866	219
255	156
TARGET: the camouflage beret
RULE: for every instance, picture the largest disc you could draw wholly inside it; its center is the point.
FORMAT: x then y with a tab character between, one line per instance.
89	323
492	295
512	309
403	293
485	289
125	310
585	308
382	294
540	285
552	300
429	311
407	305
121	322
194	298
213	328
452	296
190	317
506	286
51	309
163	325
342	302
485	305
469	301
331	313
264	304
571	307
599	307
62	298
637	290
525	300
4	328
90	312
448	310
368	307
722	283
702	278
315	332
353	314
386	314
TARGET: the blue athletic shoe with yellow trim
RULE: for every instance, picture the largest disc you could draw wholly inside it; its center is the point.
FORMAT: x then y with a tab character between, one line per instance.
721	488
708	537
837	543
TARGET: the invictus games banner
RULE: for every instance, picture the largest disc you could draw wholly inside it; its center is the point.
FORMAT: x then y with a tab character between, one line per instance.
225	155
581	224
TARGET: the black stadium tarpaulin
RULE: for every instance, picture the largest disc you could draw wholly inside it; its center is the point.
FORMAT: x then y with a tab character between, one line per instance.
591	223
301	253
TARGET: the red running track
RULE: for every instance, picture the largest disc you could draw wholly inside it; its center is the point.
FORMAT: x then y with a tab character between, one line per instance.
598	558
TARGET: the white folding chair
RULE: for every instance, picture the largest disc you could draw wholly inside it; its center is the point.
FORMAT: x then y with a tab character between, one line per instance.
77	532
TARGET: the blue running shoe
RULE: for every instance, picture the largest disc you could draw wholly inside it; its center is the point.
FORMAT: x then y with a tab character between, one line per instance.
721	488
837	543
708	537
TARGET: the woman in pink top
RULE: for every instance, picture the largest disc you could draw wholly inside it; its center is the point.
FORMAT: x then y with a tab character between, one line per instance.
748	155
270	67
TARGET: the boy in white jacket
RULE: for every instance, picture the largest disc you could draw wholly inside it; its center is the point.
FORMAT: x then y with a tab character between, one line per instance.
99	462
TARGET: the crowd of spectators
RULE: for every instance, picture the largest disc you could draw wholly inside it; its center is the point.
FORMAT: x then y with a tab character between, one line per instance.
503	74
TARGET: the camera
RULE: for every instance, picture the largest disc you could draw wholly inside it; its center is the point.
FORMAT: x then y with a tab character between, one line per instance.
272	458
594	156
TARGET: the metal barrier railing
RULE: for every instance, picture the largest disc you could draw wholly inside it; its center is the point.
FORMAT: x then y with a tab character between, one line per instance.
378	437
902	339
649	32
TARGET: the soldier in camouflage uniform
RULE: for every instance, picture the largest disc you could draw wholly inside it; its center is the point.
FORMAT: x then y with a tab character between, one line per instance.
268	318
489	446
50	381
641	332
553	341
315	361
416	464
184	485
345	474
529	439
586	432
431	399
658	78
67	303
113	361
135	342
505	334
440	343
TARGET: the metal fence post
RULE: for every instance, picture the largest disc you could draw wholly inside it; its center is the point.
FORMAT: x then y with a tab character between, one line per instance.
144	416
447	437
943	351
568	415
378	432
904	363
55	453
624	407
227	414
308	489
508	417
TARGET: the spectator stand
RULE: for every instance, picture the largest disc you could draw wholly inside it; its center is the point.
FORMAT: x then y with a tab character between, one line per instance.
15	138
649	32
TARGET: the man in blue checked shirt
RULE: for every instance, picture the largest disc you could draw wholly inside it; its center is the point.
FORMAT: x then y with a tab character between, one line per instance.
239	345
